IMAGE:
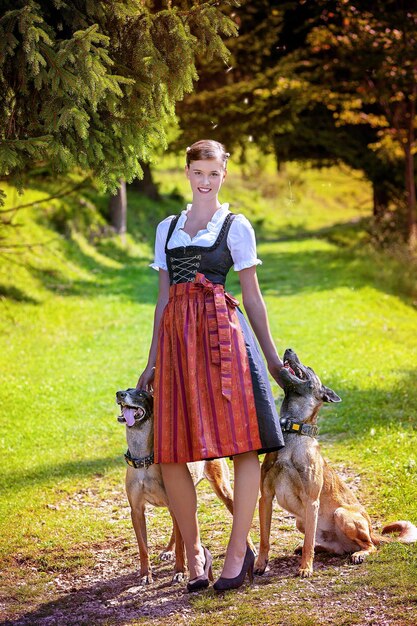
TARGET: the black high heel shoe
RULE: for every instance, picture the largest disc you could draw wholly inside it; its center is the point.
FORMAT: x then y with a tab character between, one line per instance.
223	584
202	582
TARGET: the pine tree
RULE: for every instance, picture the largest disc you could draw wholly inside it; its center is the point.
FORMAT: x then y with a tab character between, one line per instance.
93	85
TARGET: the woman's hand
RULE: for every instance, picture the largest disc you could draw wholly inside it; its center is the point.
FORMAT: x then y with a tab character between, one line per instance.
275	368
146	379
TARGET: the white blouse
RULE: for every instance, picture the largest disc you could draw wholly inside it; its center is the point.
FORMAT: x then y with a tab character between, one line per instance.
240	239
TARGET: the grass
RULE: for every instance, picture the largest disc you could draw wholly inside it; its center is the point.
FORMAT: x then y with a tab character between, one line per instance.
75	326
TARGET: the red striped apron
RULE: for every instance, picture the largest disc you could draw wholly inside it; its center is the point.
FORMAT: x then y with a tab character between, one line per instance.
203	402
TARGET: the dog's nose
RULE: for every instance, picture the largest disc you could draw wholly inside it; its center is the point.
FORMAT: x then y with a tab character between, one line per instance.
121	394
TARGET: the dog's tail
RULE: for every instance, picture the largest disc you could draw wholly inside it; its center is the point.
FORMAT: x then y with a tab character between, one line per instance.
407	531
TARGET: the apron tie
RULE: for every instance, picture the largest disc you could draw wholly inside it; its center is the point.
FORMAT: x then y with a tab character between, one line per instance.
216	300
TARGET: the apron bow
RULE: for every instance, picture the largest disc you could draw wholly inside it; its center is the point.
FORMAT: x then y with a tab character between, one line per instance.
216	300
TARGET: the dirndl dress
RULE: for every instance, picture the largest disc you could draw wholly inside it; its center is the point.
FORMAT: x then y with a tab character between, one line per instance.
212	396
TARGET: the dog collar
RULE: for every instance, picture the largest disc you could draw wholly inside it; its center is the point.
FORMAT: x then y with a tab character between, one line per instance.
290	426
144	461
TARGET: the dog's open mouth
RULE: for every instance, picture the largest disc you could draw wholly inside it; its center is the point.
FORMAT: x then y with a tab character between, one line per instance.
295	370
293	365
132	413
288	367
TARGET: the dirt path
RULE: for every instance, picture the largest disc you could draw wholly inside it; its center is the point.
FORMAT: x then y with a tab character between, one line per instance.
109	593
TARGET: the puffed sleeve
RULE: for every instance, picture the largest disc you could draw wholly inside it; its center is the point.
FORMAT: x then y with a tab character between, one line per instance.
160	261
242	244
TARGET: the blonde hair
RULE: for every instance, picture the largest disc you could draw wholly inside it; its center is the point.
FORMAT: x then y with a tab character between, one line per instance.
207	149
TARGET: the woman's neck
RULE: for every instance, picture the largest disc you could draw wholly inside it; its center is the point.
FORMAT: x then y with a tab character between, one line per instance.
198	217
202	210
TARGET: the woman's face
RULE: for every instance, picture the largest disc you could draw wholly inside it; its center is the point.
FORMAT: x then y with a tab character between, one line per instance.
206	178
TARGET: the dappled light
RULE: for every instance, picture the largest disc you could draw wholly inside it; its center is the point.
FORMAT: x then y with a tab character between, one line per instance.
315	105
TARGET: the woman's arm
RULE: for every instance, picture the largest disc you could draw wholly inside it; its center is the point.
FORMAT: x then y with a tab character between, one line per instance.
256	311
146	378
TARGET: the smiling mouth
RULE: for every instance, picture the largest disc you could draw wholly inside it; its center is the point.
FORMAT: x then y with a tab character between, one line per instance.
131	413
204	189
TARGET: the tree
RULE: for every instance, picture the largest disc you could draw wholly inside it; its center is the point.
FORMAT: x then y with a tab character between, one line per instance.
118	209
146	185
324	81
366	52
93	85
223	104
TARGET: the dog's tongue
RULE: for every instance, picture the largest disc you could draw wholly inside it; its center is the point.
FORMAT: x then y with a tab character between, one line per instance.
129	415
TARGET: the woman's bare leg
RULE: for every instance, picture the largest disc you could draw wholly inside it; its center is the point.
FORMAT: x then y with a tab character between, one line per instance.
245	496
183	504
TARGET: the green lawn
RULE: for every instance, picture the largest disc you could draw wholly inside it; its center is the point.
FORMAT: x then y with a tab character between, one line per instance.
76	321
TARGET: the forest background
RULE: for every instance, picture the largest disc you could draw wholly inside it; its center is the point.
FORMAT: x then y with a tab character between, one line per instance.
316	103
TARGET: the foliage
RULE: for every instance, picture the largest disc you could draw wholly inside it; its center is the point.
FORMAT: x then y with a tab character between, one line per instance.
222	105
93	84
379	89
324	81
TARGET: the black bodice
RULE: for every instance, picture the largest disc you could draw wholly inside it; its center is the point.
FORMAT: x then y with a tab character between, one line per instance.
213	261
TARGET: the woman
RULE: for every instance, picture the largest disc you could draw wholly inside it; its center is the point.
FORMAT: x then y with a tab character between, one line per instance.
212	396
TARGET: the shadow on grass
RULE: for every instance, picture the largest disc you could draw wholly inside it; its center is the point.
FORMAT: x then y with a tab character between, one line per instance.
13	293
121	600
134	279
362	410
135	282
311	271
48	473
341	233
365	410
283	272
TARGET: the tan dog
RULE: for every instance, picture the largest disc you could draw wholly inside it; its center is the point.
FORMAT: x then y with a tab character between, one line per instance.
326	510
144	484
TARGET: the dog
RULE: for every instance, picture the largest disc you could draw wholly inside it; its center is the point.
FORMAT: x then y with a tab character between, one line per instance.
326	510
144	484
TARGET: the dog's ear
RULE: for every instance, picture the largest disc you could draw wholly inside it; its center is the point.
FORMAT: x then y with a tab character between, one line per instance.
328	395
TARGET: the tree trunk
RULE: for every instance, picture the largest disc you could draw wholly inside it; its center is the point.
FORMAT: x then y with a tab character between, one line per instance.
118	209
146	185
380	200
410	183
410	188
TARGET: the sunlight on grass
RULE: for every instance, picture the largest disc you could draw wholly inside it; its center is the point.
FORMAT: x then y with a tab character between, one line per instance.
76	323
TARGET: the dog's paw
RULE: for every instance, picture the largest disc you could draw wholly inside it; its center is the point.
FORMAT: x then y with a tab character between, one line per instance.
178	578
260	567
357	558
146	579
167	555
305	572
